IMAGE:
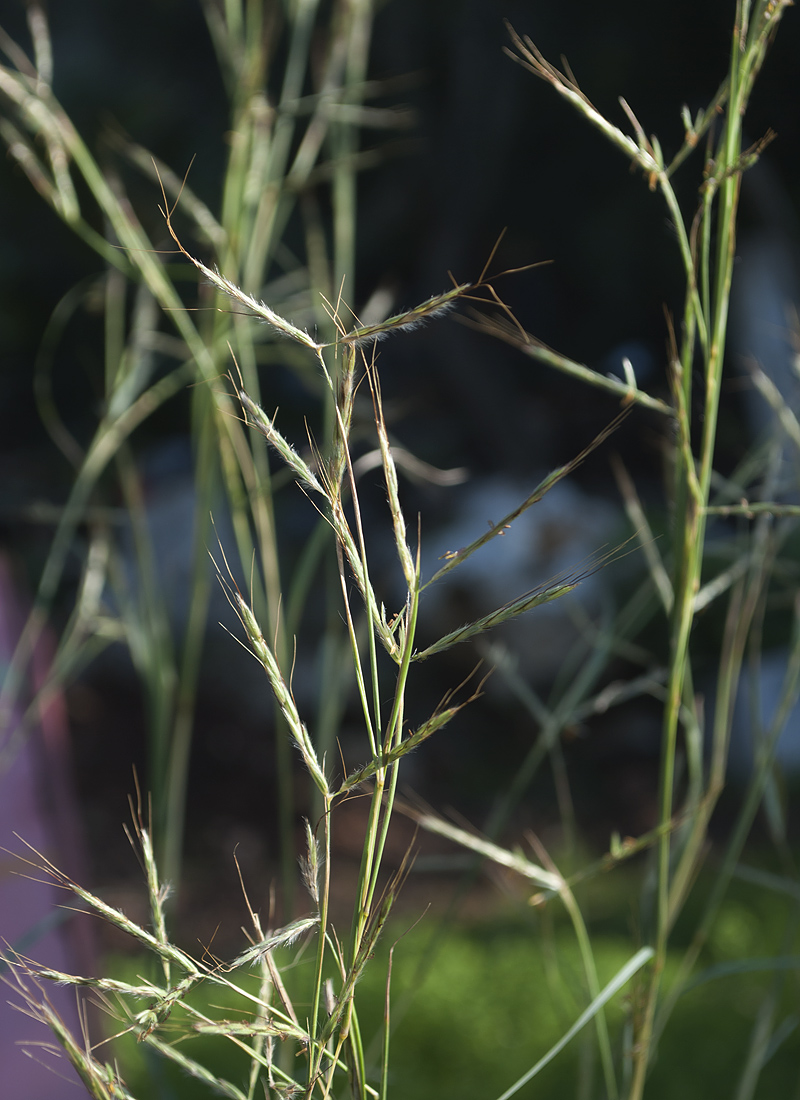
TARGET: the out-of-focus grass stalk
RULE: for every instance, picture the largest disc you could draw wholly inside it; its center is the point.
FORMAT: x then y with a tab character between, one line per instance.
708	263
273	149
126	408
590	970
694	481
753	799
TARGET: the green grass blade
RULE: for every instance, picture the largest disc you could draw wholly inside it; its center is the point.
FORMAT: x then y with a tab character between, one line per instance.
621	978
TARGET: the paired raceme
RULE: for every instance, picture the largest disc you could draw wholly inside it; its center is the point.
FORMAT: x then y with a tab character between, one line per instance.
361	336
284	937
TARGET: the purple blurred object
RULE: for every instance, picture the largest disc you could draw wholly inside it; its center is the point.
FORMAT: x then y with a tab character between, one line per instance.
37	804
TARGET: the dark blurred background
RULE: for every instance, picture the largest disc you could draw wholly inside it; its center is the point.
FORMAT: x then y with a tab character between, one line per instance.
491	148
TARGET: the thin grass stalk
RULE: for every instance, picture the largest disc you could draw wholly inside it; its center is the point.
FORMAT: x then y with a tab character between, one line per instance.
534	349
592	981
335	653
393	735
706	223
148	631
361	684
368	594
386	1031
695	321
357	15
46	406
341	464
322	939
245	465
745	600
662	582
752	800
381	805
688	559
335	674
114	327
764	1037
365	885
634	964
760	1036
267	225
694	527
107	440
358	1067
556	720
174	781
589	967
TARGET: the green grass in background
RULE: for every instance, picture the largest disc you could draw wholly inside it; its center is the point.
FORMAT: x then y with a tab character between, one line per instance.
475	1004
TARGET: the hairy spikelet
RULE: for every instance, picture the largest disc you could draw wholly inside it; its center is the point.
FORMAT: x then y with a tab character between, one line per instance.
282	693
256	416
407	745
255	308
409	319
508	611
282	938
